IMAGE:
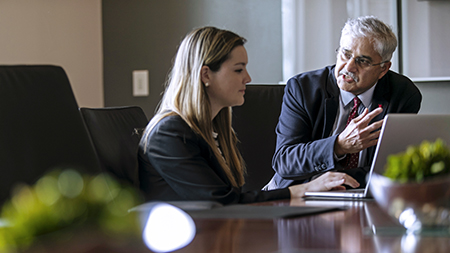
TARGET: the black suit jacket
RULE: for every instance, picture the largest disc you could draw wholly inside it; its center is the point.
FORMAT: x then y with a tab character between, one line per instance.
179	165
310	104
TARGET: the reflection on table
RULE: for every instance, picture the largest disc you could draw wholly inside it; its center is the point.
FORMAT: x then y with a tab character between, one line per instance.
349	230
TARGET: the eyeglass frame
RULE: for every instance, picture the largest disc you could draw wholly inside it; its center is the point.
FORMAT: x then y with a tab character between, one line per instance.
358	59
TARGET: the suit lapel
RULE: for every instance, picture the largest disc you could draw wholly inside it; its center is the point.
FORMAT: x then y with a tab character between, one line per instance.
380	98
331	104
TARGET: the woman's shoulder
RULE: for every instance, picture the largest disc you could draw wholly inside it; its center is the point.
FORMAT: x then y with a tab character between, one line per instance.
170	129
173	119
171	123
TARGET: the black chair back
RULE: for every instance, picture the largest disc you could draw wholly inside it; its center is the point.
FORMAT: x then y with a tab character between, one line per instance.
40	126
255	123
116	132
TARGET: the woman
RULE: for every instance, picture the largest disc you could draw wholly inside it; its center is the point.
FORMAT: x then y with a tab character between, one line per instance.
188	150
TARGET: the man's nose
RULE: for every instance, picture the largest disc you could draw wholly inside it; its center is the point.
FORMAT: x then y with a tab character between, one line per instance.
351	65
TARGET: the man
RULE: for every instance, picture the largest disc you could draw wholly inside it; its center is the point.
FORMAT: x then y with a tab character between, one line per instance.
313	135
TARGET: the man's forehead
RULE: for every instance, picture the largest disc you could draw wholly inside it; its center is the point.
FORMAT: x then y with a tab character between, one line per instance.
349	42
361	44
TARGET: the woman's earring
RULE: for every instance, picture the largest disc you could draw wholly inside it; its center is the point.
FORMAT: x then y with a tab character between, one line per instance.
206	84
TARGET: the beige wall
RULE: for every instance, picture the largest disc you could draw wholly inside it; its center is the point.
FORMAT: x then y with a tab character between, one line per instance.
145	34
64	33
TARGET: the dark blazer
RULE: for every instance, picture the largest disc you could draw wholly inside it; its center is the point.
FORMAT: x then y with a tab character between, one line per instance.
304	146
179	165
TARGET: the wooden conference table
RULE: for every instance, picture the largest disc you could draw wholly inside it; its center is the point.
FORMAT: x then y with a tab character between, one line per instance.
348	227
348	230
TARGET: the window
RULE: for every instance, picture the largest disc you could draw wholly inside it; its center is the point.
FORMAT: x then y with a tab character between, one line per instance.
311	31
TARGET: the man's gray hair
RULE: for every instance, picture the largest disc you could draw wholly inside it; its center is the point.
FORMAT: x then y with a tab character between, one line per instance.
384	40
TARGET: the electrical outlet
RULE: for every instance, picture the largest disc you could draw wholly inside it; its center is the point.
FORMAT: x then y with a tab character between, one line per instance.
140	83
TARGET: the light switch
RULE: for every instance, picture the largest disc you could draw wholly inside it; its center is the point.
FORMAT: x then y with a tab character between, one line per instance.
140	83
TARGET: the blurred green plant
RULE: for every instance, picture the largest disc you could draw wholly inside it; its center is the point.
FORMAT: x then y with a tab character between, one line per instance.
418	163
64	199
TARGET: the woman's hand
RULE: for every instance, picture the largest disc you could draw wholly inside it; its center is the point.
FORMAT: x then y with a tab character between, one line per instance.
326	182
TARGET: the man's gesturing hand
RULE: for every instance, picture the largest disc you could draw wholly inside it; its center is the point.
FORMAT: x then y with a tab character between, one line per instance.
358	134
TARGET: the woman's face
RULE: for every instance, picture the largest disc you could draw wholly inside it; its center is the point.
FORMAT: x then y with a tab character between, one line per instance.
226	87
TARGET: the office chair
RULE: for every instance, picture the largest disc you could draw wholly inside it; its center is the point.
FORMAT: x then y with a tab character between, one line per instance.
115	133
40	126
255	123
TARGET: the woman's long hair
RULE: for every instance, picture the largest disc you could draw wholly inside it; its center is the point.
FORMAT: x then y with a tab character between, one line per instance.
186	96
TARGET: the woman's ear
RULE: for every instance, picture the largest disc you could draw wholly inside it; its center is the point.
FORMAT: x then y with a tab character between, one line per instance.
205	75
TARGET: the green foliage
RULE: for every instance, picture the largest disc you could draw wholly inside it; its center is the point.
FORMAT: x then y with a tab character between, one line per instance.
62	200
419	163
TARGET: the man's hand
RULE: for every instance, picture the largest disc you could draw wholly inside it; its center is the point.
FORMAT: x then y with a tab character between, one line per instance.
358	134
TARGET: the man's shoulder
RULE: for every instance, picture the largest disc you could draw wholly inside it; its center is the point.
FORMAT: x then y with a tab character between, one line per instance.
399	81
394	75
399	88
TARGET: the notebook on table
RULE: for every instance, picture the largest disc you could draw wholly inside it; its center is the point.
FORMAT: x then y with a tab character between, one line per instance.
215	210
397	133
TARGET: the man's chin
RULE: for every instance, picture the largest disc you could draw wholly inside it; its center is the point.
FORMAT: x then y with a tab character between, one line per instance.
346	85
350	87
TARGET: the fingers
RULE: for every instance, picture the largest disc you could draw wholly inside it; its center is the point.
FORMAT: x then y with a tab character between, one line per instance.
335	184
350	181
334	180
368	136
375	125
326	182
362	115
374	113
365	117
339	188
339	178
359	134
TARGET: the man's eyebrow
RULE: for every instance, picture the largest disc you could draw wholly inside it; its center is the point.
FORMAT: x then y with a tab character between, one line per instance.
366	57
361	56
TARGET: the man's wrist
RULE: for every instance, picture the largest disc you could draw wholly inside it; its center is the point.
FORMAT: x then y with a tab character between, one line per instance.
338	152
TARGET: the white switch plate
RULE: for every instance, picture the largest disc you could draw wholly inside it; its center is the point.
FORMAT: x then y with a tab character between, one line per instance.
140	83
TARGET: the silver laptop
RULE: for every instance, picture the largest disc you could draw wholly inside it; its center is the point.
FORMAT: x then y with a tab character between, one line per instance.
397	133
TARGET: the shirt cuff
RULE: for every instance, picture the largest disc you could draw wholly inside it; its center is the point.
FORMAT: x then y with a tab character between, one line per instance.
338	159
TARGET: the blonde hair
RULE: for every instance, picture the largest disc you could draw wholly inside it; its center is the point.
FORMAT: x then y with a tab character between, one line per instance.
186	96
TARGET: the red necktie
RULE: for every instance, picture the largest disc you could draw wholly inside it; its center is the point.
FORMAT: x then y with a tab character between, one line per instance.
353	159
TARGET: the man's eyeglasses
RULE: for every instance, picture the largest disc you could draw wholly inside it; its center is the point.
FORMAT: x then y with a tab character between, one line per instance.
361	61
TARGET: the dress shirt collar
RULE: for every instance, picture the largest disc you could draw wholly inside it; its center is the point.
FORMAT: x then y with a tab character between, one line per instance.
366	97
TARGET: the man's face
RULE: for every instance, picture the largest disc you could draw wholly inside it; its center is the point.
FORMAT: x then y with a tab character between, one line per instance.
355	71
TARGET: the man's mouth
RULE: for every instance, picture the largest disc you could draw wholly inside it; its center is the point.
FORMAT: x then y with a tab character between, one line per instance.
349	77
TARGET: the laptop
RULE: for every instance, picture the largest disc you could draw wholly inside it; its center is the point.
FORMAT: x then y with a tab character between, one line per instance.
397	133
